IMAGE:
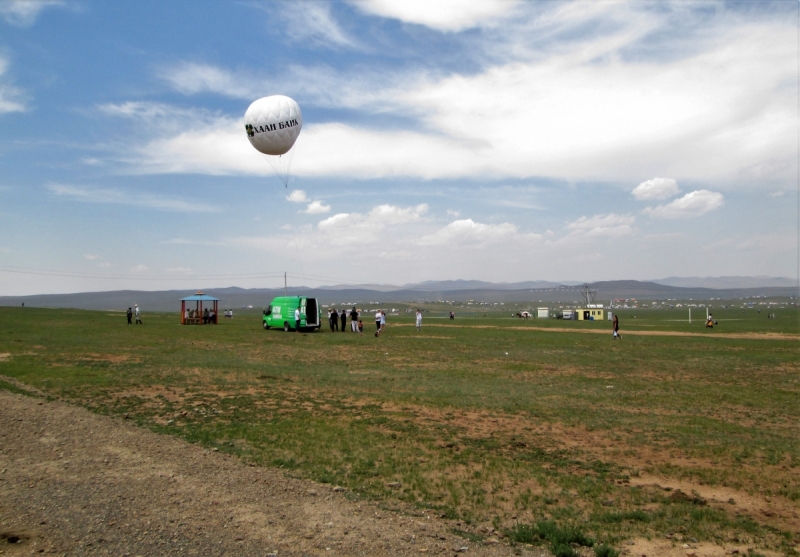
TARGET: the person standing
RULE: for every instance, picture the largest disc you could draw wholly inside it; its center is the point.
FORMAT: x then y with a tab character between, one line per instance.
616	328
354	320
343	320
419	320
136	313
297	319
377	321
130	316
333	320
383	321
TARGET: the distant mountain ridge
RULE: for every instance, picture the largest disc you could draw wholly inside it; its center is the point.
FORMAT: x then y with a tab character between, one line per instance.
461	284
533	293
681	282
452	285
761	281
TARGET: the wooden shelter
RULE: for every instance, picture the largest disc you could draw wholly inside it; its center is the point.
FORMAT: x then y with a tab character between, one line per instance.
194	316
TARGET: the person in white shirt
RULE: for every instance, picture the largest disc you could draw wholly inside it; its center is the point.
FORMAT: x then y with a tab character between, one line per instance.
136	313
297	319
419	320
383	320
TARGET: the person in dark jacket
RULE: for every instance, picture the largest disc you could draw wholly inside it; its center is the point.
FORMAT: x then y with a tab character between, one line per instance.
334	319
343	320
354	320
130	316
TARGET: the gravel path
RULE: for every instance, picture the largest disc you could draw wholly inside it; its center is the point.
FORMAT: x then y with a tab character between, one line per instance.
77	483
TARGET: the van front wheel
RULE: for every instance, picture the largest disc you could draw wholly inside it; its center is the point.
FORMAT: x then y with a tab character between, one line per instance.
286	328
266	326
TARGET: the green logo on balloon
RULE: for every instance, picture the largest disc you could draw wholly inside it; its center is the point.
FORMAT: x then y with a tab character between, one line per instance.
250	132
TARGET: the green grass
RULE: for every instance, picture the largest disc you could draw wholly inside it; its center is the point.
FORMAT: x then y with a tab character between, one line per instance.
561	539
479	419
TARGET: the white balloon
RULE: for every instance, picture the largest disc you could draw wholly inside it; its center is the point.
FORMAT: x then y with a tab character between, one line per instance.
273	124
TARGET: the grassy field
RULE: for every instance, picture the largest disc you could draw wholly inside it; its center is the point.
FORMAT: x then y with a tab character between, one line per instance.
542	429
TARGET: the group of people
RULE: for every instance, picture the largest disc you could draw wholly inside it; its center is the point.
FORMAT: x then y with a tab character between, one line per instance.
207	316
131	312
337	320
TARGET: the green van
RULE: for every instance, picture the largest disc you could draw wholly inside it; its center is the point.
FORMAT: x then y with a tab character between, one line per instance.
280	313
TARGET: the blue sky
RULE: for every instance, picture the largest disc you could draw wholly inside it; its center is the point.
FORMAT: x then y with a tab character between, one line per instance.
501	141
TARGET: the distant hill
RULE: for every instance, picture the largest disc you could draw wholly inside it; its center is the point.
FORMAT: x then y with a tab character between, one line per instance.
536	292
728	282
452	286
456	285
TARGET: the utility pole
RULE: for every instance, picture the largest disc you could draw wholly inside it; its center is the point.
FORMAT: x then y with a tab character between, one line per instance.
284	285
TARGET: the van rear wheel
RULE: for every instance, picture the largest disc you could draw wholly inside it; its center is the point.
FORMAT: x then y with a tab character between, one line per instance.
286	328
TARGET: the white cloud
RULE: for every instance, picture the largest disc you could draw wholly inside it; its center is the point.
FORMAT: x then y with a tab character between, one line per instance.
336	220
656	188
91	257
179	270
317	85
139	269
191	78
610	225
468	232
769	243
162	119
443	15
692	204
297	196
24	12
585	107
357	227
9	95
312	23
206	145
317	207
104	265
119	197
388	226
723	114
776	194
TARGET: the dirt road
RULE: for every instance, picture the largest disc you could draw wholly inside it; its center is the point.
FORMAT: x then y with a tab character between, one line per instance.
76	483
